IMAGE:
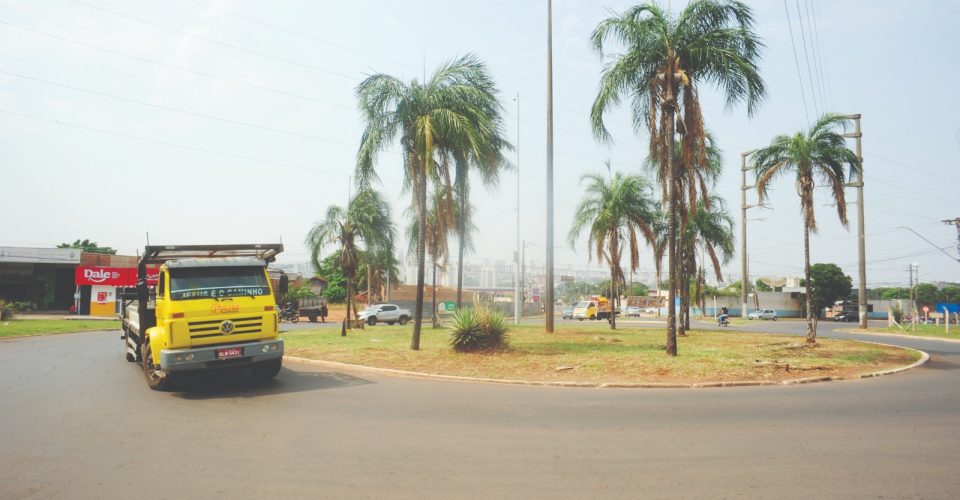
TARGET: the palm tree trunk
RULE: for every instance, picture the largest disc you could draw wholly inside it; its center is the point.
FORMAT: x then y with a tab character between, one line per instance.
671	216
433	298
659	278
421	236
369	284
346	313
811	333
614	259
462	243
682	281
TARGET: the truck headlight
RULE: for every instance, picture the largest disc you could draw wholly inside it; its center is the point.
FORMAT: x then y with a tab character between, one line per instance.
189	357
266	348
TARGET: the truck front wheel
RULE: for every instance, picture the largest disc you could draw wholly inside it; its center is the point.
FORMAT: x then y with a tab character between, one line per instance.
372	320
266	370
156	379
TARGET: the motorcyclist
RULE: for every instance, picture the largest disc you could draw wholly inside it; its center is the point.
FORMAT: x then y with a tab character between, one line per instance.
724	314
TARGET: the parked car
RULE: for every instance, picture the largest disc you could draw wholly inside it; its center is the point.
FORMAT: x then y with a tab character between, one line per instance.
845	317
385	313
633	311
763	314
567	312
650	310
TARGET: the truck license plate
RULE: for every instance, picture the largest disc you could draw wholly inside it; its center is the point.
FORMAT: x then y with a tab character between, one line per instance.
231	352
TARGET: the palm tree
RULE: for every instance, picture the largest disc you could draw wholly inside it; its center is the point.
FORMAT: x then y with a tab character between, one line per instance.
366	219
817	154
615	212
663	61
710	230
452	107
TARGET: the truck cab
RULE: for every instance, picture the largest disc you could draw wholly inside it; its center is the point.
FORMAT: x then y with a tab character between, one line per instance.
211	308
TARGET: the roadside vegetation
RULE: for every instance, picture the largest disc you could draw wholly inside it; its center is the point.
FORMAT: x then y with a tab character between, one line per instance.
937	331
31	327
594	354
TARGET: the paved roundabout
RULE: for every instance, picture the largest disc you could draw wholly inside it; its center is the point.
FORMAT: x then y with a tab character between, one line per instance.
76	421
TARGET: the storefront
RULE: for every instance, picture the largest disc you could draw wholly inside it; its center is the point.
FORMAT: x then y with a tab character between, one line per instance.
40	277
97	288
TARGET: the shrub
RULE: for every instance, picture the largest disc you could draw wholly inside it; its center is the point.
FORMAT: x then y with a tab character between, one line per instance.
479	329
7	309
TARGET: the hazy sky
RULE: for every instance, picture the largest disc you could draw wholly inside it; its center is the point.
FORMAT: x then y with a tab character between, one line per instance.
234	121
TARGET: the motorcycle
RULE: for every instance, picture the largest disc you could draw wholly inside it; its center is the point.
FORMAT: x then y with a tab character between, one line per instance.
287	314
722	320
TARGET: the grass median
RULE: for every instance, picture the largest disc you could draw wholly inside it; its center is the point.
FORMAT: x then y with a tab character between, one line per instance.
937	331
32	327
590	354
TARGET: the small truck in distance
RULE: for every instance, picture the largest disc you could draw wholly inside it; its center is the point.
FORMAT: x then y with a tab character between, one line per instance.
212	307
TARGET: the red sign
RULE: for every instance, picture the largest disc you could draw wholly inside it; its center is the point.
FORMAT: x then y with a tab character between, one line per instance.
111	276
926	309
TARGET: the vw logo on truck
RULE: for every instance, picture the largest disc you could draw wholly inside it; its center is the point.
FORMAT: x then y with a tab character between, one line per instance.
226	327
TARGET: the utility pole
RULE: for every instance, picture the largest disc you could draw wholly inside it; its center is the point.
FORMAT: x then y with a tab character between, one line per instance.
548	309
744	281
516	298
861	238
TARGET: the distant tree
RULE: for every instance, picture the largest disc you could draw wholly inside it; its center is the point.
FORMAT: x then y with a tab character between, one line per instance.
88	246
330	270
950	294
763	287
828	284
298	293
927	294
636	289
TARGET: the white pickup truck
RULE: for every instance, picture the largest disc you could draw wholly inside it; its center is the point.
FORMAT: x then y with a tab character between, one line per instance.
385	313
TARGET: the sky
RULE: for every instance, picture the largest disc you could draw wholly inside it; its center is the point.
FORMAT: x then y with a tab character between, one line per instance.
216	121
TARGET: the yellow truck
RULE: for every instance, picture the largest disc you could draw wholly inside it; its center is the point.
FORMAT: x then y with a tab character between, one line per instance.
211	307
597	307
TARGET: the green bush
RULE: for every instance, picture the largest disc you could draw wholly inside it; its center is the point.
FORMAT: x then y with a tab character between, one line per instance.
479	329
8	309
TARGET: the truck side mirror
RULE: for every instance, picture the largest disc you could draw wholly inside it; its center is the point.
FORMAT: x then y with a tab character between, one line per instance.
284	284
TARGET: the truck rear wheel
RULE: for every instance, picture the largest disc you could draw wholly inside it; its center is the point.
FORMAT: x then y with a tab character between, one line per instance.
266	370
313	318
156	378
403	320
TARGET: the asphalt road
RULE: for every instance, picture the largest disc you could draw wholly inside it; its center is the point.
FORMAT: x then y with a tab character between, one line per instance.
77	421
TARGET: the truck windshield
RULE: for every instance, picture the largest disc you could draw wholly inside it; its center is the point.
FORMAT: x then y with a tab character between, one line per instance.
583	304
217	282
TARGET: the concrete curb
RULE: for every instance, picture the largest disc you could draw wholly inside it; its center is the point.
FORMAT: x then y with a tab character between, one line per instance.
924	357
896	335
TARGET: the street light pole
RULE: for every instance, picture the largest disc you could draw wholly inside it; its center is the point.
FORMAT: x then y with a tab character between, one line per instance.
861	239
516	291
548	310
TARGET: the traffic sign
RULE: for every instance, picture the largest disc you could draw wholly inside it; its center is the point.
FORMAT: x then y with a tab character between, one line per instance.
926	309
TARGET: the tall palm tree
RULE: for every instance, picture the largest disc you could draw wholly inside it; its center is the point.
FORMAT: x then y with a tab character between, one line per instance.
452	107
663	61
817	154
366	220
618	212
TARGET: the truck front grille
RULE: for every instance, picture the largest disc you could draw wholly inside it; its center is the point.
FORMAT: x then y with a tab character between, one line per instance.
211	328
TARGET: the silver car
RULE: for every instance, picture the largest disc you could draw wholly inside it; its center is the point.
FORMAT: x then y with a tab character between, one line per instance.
763	314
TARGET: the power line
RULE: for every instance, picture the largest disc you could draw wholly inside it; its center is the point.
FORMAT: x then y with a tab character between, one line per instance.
796	60
818	53
218	42
170	66
302	35
178	110
803	37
